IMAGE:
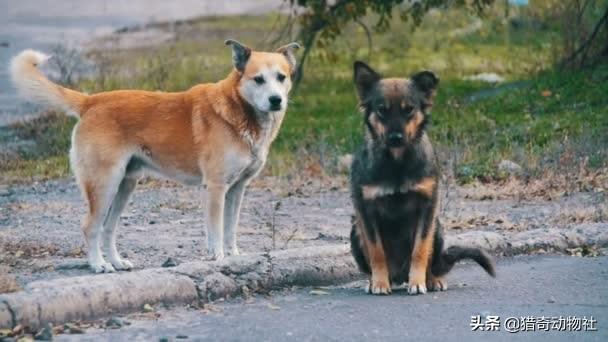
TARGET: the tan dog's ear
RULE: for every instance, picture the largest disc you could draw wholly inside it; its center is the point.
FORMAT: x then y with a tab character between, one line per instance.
240	54
289	52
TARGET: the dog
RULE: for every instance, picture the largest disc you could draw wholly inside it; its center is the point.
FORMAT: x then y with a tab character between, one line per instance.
217	134
396	237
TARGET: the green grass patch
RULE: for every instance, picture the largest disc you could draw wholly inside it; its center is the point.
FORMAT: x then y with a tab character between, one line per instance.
553	114
44	155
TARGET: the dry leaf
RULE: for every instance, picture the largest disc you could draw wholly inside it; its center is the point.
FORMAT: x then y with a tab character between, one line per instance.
318	292
273	307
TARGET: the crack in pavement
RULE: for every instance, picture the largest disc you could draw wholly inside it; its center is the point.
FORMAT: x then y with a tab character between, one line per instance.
269	272
12	312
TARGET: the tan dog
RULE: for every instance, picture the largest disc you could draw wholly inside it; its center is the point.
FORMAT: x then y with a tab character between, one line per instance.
215	133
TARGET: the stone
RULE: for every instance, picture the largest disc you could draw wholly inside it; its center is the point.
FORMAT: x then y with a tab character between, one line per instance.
76	264
170	262
510	168
218	285
46	334
488	77
71	328
114	323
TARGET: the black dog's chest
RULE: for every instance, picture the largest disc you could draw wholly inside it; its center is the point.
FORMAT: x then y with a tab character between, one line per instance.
396	215
397	205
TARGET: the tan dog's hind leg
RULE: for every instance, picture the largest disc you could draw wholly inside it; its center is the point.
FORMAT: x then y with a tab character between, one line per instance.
379	283
234	198
99	193
99	161
109	237
216	198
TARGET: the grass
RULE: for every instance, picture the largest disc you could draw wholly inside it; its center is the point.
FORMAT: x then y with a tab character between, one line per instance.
47	155
554	119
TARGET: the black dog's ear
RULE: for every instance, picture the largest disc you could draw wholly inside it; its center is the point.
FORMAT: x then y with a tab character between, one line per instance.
289	51
240	54
426	82
365	79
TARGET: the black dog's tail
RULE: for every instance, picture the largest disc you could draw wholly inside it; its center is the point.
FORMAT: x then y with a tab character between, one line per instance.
453	254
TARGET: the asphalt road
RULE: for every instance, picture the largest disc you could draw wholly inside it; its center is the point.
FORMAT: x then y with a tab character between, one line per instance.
526	286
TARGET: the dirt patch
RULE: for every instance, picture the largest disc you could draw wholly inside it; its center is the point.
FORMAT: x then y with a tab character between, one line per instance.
8	282
40	234
549	186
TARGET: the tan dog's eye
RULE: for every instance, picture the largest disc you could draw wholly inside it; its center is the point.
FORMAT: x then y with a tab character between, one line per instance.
259	80
281	77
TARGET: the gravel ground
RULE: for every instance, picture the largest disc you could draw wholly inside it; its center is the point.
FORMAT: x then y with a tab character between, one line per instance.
40	236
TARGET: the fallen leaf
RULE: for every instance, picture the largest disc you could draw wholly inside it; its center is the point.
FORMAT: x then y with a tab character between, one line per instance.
212	308
26	338
318	292
546	93
17	330
273	307
71	328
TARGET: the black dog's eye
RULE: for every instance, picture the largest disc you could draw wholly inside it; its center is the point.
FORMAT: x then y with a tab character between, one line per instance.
281	78
408	110
259	80
381	111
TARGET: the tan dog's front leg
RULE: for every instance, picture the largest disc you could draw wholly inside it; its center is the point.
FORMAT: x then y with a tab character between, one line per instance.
380	282
421	255
232	209
216	195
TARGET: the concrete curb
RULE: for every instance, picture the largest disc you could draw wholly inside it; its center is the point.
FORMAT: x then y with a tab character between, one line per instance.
526	241
92	296
67	299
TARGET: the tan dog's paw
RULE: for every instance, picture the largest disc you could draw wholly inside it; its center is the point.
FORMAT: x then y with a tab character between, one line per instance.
122	264
102	267
214	256
379	287
232	251
437	284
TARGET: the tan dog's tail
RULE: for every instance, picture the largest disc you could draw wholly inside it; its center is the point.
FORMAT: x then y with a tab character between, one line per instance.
34	86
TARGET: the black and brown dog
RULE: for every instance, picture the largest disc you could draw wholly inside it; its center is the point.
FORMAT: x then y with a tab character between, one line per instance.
396	236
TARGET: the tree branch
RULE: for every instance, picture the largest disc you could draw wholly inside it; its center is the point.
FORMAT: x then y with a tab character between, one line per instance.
369	37
584	48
